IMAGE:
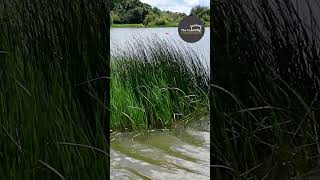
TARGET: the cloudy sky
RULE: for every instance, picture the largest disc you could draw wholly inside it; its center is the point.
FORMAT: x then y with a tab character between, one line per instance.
183	6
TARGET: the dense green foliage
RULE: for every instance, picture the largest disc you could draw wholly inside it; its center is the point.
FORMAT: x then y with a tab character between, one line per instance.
265	83
129	11
53	120
155	85
202	12
136	12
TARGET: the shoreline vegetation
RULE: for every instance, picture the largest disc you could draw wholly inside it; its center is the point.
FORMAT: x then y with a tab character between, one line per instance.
134	13
157	84
143	26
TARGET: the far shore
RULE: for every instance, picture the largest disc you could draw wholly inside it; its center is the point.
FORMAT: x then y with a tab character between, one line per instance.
143	26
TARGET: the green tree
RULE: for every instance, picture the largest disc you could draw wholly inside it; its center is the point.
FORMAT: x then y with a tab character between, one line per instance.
156	11
202	12
134	11
115	17
161	21
149	18
136	15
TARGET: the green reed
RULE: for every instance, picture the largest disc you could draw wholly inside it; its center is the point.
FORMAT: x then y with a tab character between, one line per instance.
156	84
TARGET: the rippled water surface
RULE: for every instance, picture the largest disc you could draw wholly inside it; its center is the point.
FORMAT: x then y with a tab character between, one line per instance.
162	154
121	36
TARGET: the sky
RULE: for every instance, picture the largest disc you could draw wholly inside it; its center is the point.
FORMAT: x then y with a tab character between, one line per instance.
183	6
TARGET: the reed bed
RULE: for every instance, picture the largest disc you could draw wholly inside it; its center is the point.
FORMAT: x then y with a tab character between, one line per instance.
265	84
156	84
53	89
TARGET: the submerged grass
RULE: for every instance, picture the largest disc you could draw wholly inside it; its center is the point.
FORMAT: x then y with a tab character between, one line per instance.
53	117
156	84
265	87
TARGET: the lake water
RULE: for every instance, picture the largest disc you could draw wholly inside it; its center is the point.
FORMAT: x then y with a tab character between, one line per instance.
121	36
162	155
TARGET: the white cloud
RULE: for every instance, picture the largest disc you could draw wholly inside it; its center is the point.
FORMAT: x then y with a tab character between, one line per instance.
183	6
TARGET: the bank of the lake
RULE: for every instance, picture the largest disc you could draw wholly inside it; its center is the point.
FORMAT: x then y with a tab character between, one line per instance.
207	24
128	26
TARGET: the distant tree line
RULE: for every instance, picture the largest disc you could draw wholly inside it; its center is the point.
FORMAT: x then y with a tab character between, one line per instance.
202	12
136	12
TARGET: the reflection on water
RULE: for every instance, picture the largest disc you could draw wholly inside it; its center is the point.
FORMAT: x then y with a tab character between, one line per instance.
181	154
